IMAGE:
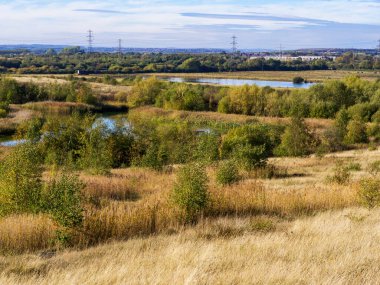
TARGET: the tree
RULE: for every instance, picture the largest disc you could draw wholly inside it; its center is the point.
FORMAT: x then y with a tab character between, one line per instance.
227	173
190	191
21	180
62	199
249	145
356	132
297	139
190	65
144	92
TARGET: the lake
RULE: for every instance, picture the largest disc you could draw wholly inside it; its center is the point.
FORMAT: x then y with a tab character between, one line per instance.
237	82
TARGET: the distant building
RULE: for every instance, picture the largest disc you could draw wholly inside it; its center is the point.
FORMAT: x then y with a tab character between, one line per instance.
81	72
306	58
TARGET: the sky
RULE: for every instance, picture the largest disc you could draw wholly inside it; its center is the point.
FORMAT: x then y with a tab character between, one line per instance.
258	24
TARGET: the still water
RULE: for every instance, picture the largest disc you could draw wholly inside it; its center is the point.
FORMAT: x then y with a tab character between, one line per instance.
238	82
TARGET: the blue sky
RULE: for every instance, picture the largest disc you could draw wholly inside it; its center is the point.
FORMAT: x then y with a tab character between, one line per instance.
194	23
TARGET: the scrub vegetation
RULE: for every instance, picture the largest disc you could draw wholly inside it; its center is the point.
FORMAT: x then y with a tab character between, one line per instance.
207	179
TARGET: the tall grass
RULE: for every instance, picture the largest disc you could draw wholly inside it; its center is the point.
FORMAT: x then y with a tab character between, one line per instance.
26	233
136	202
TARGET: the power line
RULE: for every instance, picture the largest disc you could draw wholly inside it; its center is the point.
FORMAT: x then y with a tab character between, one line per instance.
90	40
234	44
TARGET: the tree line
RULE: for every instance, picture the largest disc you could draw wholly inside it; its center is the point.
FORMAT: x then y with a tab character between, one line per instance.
69	60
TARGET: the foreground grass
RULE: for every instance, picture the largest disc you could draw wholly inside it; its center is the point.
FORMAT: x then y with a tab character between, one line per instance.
339	247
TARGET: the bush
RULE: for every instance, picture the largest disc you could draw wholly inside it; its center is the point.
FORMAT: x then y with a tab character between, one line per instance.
227	173
250	145
20	181
341	174
354	166
62	199
297	140
207	148
3	113
374	168
144	92
190	191
298	80
356	132
369	192
95	153
121	96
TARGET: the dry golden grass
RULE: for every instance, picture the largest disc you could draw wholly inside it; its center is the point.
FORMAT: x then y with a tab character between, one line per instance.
54	107
315	75
136	202
16	116
340	247
103	91
26	233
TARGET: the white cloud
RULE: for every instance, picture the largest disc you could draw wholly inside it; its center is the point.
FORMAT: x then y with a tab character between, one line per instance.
61	22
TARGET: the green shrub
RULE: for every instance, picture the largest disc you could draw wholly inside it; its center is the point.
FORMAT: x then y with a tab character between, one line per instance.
190	191
373	132
249	145
356	132
227	173
95	154
144	92
374	168
270	171
297	140
262	224
155	157
341	174
298	80
121	96
3	113
207	148
21	180
354	166
62	199
369	192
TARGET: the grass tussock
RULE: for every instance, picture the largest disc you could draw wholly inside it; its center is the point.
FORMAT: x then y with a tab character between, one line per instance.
26	233
60	108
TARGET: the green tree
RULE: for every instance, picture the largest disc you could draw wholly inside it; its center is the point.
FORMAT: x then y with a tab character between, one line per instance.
144	92
63	200
356	132
227	173
297	139
249	145
95	154
190	191
21	180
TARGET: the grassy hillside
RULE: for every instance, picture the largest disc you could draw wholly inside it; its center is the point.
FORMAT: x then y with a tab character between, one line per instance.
340	247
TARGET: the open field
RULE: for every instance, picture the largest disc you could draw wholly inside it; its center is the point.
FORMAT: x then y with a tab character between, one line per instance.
338	247
314	76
